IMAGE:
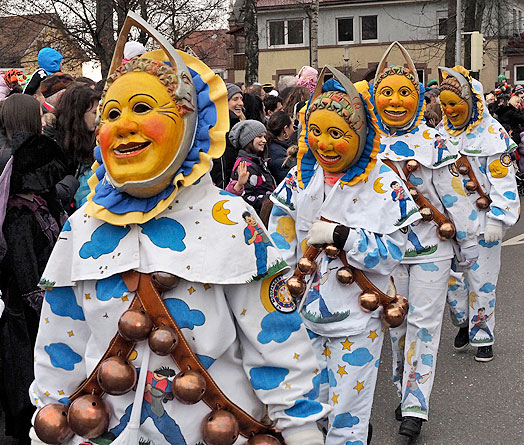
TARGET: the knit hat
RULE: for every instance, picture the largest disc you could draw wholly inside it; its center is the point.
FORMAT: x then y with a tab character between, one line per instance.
34	83
50	60
53	84
432	82
133	49
245	131
14	77
307	77
232	89
518	90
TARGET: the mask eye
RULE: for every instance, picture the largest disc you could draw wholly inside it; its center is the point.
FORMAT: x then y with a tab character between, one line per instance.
315	130
141	108
405	92
335	133
387	92
114	113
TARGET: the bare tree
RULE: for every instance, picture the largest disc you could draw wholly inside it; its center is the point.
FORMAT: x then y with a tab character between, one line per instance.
251	33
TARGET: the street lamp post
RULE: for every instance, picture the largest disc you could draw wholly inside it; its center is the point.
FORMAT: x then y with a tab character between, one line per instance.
346	60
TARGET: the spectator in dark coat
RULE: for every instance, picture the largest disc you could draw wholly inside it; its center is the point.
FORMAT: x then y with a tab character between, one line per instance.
279	132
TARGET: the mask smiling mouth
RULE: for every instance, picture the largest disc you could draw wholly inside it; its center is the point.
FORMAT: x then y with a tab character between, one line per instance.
395	114
130	149
328	160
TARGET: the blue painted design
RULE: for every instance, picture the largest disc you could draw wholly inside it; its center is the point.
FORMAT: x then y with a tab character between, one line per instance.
473	216
453	287
311	334
371	259
355	442
62	356
497	211
427	359
487	287
383	252
475	266
166	233
304	408
492	302
377	363
415	180
381	147
460	315
111	287
277	211
183	315
471	136
267	377
384	168
510	195
359	357
482	169
449	200
278	327
402	149
205	360
454	302
363	243
104	240
424	335
429	267
394	250
280	241
345	420
489	245
461	234
67	227
65	401
62	302
223	192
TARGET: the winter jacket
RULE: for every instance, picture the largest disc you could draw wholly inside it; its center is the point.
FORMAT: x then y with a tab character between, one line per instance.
277	153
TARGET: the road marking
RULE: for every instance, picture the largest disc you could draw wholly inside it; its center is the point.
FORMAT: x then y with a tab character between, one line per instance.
515	241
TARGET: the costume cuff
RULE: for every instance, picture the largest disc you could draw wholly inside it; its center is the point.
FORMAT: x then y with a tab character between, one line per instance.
340	236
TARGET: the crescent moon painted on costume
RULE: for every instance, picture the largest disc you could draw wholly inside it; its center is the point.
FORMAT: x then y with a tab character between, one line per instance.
491	129
378	186
456	184
220	213
426	135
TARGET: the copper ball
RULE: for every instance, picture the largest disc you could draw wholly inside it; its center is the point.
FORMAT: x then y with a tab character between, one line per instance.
463	169
164	281
471	186
412	165
263	439
427	213
135	325
296	286
89	416
345	276
116	376
306	266
402	302
163	340
483	202
51	424
189	386
446	230
368	301
220	428
393	315
414	193
331	251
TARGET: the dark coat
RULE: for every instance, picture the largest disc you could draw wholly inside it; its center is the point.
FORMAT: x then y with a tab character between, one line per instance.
277	153
222	167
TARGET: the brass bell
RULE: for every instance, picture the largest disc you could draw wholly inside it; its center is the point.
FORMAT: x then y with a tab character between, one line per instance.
51	424
296	286
446	230
220	428
89	416
393	315
263	439
164	281
483	202
135	325
163	340
463	169
189	386
427	213
306	266
412	165
368	301
331	251
345	276
402	302
414	193
116	376
471	186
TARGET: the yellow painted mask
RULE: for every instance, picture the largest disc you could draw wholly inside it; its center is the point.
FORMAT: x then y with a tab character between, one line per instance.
456	109
141	130
396	100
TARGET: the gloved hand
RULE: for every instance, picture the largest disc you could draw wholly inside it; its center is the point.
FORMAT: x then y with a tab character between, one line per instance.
494	232
34	438
305	437
321	232
470	255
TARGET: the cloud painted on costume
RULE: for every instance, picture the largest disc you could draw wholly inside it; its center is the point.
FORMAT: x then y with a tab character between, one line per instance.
461	234
183	315
424	335
489	245
429	267
267	377
324	376
205	360
492	303
280	241
67	227
402	149
427	359
223	192
473	216
104	240
454	302
359	357
278	327
449	200
384	169
277	211
487	287
510	195
371	259
62	302
345	420
304	408
62	356
415	180
356	442
165	233
394	250
111	287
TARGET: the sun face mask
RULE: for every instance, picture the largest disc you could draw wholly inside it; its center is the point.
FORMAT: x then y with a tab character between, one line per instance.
396	100
456	109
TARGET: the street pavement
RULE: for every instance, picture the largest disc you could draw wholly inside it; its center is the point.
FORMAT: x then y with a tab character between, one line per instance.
471	403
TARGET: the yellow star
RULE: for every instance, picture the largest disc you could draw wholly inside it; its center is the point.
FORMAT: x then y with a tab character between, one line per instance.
347	344
334	399
288	386
125	298
197	222
188	267
327	352
296	356
47	393
341	371
207	287
191	290
60	392
243	312
359	386
233	236
316	371
70	333
47	320
372	335
88	296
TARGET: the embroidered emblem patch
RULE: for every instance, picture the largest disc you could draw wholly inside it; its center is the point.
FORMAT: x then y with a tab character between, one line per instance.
453	169
279	295
505	159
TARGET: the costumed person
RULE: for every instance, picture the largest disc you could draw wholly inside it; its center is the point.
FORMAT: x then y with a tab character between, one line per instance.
421	156
224	340
337	195
486	169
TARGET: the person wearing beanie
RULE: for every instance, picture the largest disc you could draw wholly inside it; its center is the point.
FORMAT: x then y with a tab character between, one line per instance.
133	49
432	84
250	178
307	77
50	60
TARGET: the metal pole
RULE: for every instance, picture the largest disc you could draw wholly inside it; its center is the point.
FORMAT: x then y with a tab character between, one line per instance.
458	44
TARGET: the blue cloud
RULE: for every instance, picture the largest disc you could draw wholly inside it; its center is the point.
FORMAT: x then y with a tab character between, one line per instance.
449	200
489	245
377	363
429	267
480	129
454	302
223	192
383	252
277	211
371	259
104	240
62	301
487	287
394	250
267	377
510	195
64	401
62	356
475	266
111	287
324	376
415	129
497	211
280	241
363	243
460	315
184	317
382	148
402	149
470	136
384	169
415	180
205	360
461	234
473	216
453	287
492	302
359	357
357	442
345	420
424	335
278	327
304	408
427	359
67	227
166	233
411	308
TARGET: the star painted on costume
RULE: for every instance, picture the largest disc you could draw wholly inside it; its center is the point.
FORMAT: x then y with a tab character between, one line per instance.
288	386
233	236
347	344
46	320
191	290
190	207
199	237
296	356
359	386
88	296
188	267
372	335
507	208
327	352
207	286
70	333
341	370
316	371
197	222
105	315
125	298
47	393
243	311
334	399
60	392
313	198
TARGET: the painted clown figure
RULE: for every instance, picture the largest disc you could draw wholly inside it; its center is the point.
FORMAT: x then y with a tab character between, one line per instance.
486	170
154	220
341	200
421	156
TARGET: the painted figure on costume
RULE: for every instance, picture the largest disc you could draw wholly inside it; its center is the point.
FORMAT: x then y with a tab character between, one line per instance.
412	386
441	147
399	194
480	322
253	234
289	185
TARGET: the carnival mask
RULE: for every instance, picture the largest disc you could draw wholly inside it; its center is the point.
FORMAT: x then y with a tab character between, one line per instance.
455	108
456	96
396	100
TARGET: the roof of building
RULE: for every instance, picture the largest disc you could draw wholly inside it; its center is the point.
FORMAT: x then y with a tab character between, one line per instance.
210	46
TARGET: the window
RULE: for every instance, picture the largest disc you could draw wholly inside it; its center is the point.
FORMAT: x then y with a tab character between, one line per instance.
286	32
345	30
240	44
519	74
421	77
442	23
368	27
